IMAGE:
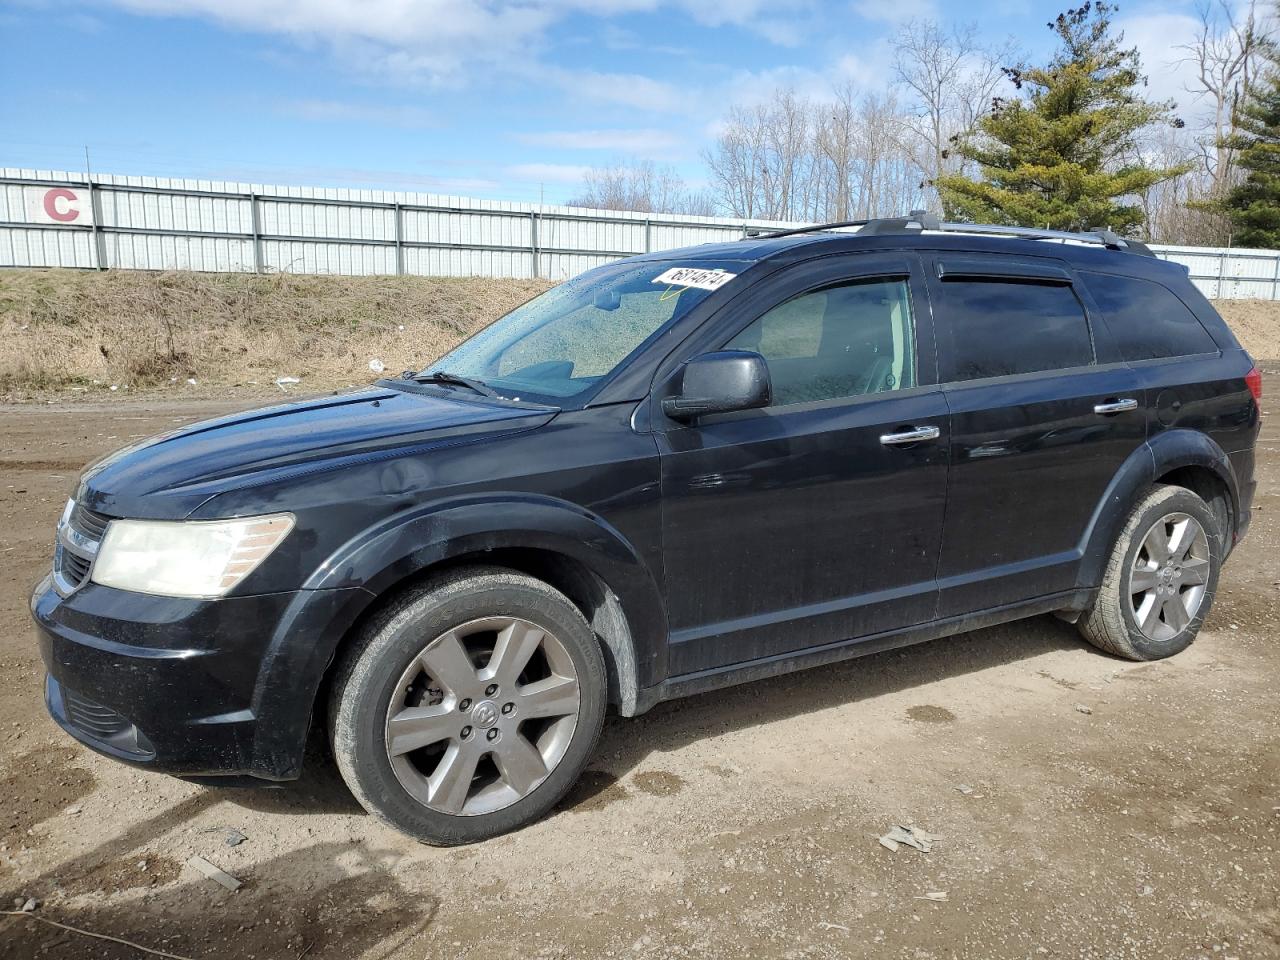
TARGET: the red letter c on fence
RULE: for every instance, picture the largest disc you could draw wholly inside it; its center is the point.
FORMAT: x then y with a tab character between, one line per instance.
65	213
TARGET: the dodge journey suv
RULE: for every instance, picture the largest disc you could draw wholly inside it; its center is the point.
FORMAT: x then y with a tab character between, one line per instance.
672	473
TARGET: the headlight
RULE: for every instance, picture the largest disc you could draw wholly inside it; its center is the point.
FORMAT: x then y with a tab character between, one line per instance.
187	558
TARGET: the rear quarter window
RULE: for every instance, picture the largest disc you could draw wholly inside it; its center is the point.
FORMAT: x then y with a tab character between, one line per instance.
1003	327
1146	320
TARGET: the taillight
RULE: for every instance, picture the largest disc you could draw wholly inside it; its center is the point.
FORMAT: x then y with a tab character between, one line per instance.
1253	380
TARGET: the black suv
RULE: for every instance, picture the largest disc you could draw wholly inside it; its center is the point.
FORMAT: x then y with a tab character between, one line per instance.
673	473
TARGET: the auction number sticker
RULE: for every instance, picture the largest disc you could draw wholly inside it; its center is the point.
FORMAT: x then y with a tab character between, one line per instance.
694	277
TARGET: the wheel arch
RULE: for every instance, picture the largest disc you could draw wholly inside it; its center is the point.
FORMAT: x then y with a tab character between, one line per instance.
1212	488
586	589
572	549
1185	458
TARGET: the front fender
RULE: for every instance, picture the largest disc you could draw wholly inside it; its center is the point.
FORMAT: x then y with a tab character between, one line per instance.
1162	453
365	567
421	536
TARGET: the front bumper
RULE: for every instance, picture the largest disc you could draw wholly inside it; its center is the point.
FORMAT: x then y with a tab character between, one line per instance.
188	687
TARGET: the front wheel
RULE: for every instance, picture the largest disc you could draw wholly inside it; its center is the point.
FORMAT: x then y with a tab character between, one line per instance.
1160	580
469	706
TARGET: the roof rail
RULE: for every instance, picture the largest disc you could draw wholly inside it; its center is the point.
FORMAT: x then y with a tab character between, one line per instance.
1100	236
916	221
756	233
919	221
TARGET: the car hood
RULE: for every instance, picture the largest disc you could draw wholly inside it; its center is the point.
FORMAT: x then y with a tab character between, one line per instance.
170	475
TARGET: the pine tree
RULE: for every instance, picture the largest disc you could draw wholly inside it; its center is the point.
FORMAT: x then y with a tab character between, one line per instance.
1254	206
1064	155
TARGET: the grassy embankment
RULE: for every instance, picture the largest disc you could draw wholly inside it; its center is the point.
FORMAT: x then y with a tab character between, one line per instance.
64	331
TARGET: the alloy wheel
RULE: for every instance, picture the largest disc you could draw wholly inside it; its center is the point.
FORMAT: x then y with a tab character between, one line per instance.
482	715
1169	577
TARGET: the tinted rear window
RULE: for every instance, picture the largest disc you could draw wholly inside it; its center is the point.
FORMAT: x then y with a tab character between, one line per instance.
1003	327
1147	320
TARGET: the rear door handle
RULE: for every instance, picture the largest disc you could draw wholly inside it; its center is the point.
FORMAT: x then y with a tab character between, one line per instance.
1115	406
914	435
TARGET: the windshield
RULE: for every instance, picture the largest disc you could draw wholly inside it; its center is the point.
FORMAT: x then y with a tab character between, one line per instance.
562	343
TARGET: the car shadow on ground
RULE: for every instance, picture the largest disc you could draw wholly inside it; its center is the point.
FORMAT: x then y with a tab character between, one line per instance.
320	789
626	742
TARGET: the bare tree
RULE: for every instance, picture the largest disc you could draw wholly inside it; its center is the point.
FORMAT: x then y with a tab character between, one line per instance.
796	159
867	172
762	163
950	77
1177	211
1225	55
836	140
642	186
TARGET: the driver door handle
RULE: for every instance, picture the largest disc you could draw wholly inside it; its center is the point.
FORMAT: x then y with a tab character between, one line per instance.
914	435
1115	406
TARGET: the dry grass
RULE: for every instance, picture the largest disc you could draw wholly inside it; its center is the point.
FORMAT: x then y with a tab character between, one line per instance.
61	328
65	330
1256	324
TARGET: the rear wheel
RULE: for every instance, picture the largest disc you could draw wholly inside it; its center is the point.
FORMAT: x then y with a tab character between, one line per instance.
1160	580
469	706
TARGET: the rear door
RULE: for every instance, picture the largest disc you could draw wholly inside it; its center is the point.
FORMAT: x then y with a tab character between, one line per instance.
817	519
1043	413
1176	358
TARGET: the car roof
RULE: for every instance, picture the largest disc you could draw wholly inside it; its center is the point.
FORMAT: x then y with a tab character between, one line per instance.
804	246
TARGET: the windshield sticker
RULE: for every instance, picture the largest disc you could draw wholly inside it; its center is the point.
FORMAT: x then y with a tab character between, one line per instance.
695	277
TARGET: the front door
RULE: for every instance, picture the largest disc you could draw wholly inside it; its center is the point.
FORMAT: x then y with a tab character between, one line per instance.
817	519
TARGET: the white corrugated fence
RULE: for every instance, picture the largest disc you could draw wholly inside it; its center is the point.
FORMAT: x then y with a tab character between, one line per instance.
59	219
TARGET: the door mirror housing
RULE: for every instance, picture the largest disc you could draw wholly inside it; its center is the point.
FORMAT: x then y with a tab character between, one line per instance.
720	382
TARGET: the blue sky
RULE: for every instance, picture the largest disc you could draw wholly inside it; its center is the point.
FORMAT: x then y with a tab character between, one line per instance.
465	97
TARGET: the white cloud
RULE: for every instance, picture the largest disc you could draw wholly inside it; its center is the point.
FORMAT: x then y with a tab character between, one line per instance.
626	89
423	39
1160	38
438	40
637	142
870	71
751	87
548	172
896	11
782	22
618	38
408	117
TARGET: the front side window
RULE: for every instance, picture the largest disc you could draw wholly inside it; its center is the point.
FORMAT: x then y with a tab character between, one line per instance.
1146	320
562	343
844	341
1003	327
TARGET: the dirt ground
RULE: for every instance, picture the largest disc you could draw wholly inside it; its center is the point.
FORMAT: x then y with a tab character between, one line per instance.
1256	324
741	823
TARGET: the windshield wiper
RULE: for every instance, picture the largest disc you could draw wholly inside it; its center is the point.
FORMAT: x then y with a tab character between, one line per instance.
444	376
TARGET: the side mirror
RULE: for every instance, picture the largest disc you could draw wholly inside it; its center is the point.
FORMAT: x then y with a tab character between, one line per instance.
720	383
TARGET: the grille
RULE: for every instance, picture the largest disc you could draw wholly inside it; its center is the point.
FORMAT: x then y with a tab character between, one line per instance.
88	523
73	567
94	718
79	533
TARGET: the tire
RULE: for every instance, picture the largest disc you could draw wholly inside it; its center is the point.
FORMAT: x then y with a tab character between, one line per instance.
428	660
1144	624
